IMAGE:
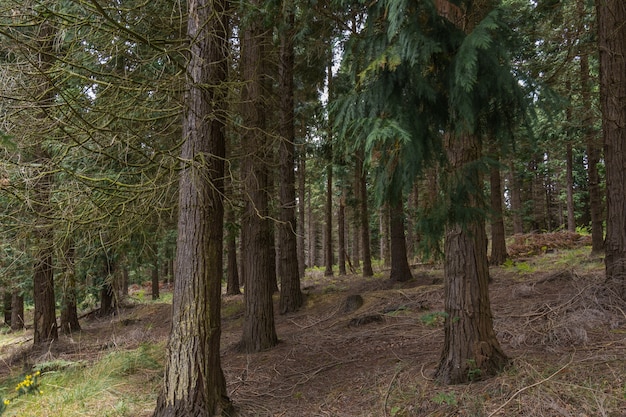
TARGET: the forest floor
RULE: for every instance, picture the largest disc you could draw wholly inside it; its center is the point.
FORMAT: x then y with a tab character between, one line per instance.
563	330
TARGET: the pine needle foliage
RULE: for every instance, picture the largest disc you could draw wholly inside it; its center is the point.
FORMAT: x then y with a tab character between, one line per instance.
417	76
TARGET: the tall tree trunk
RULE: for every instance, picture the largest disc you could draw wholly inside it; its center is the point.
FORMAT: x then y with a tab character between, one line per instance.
155	280
471	349
328	223
364	225
498	241
569	175
45	326
412	242
290	293
232	270
400	269
6	304
611	34
194	384
259	331
356	216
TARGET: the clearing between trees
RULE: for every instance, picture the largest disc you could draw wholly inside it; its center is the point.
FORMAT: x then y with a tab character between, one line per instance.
360	347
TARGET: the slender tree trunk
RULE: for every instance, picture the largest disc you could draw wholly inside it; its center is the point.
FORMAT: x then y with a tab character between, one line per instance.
155	280
194	384
516	201
364	216
259	331
498	241
301	211
611	34
232	270
400	269
290	293
341	234
356	216
412	242
7	300
107	292
17	310
328	223
385	249
569	175
45	324
69	310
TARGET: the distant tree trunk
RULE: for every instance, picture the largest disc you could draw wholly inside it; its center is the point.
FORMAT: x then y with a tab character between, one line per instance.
232	270
498	241
259	331
17	310
155	280
593	158
45	324
107	292
69	309
364	216
411	235
385	251
516	200
341	234
611	34
400	269
290	293
7	300
301	211
356	216
328	223
569	176
194	384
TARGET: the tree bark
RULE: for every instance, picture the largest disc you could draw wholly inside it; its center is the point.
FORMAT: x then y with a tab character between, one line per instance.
400	269
384	216
7	300
611	34
341	234
194	384
516	200
290	293
301	211
259	332
328	223
232	270
69	310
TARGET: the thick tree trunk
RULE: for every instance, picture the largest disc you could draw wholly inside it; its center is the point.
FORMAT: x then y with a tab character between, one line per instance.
400	269
498	241
17	310
259	332
194	384
290	293
611	34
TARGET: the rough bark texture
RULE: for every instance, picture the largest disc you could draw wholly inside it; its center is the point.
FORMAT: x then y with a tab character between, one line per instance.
400	269
194	383
290	293
259	332
611	35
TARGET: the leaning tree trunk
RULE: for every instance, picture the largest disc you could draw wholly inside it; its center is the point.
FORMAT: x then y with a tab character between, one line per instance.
290	293
259	331
194	384
611	34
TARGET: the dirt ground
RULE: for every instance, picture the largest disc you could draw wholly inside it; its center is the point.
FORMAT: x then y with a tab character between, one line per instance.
563	330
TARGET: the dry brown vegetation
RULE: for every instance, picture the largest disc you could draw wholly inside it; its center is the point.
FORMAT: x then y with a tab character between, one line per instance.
563	330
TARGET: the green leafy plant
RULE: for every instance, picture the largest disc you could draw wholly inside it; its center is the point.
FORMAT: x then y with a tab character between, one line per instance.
435	318
29	385
474	372
448	398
